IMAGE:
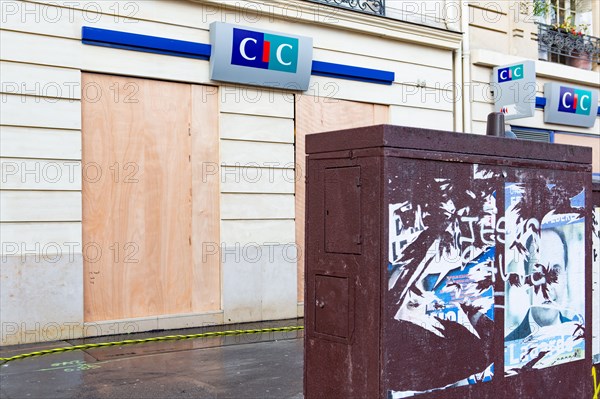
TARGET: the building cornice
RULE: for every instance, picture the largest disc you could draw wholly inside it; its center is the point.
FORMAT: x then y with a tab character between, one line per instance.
373	25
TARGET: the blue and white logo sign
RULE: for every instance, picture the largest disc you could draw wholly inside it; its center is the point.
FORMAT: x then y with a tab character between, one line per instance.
568	105
508	74
265	51
513	87
261	58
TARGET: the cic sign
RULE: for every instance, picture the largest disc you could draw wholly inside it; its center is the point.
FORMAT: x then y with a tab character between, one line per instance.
514	89
568	105
260	58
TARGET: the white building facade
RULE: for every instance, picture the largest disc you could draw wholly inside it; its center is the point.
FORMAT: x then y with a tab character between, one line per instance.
140	194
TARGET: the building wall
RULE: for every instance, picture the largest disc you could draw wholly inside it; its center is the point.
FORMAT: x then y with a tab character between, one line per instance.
43	61
504	33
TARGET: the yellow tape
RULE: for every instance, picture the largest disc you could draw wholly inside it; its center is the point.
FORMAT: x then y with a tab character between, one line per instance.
154	339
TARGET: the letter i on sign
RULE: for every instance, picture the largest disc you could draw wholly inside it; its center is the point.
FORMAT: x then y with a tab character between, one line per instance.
266	51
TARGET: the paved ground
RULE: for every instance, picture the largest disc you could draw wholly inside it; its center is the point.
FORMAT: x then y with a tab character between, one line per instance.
248	366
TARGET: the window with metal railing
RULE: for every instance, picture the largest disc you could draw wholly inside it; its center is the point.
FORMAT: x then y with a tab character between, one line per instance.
567	46
564	32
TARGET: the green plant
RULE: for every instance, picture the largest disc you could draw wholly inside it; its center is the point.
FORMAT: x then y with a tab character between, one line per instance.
569	27
541	8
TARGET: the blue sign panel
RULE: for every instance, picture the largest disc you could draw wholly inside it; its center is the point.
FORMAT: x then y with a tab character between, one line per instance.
261	58
568	105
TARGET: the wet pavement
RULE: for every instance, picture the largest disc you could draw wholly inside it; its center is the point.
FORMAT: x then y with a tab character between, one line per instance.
267	365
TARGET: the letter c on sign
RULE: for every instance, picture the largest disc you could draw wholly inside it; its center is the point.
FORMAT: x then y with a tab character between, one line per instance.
518	72
243	48
279	49
581	103
563	99
503	74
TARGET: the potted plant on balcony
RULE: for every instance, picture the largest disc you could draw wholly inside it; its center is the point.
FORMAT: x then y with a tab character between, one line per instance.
575	44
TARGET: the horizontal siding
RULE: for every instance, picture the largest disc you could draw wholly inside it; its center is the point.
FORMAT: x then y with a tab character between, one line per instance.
40	174
53	51
44	238
257	180
357	48
256	128
395	94
251	154
46	19
18	110
193	15
260	232
70	53
406	72
28	142
40	206
39	80
250	101
421	118
257	206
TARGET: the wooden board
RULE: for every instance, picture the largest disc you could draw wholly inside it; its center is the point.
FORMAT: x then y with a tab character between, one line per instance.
139	212
314	115
206	256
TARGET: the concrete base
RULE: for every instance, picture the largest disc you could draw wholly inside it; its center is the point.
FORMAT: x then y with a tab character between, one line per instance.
141	324
259	283
41	298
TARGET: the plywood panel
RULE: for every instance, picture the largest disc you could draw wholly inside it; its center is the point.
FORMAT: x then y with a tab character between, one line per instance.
28	142
206	294
314	115
40	206
257	128
257	206
140	214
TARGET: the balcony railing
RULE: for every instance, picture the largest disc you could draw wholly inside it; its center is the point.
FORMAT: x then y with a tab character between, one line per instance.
581	51
376	7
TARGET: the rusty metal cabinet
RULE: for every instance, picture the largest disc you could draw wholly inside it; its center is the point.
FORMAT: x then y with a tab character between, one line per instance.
446	265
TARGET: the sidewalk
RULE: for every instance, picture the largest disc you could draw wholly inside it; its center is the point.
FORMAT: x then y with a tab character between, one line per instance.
265	365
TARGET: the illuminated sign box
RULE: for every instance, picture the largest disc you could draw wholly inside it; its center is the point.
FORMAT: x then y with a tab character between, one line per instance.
570	105
258	57
514	90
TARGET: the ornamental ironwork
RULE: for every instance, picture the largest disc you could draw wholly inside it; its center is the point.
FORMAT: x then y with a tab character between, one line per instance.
376	7
569	48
